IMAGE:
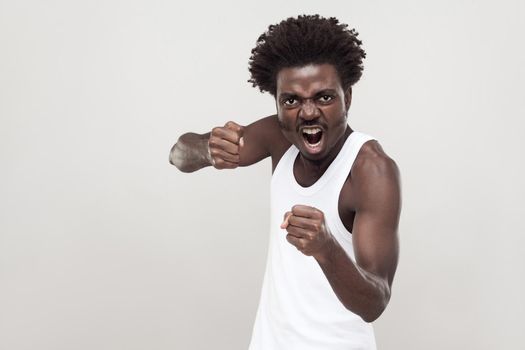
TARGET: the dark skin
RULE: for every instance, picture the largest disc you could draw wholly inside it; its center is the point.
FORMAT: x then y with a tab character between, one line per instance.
369	202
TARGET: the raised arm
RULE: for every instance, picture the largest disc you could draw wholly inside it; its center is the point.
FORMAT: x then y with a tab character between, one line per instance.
226	147
365	286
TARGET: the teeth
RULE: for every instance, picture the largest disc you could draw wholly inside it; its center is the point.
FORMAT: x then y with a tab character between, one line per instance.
311	131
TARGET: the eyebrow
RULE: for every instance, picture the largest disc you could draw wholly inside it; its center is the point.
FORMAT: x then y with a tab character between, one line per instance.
317	94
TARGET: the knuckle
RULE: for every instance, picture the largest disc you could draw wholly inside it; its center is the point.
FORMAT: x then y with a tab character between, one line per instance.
212	142
230	124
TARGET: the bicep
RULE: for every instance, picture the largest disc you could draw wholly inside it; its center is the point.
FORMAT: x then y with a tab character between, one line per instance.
375	239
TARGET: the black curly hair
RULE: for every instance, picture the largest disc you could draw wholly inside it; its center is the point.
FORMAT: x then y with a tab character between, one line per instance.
296	42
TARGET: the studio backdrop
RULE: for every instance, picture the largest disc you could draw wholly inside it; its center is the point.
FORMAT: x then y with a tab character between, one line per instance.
105	245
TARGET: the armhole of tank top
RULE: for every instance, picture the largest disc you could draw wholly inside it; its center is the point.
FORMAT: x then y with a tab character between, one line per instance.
347	235
284	159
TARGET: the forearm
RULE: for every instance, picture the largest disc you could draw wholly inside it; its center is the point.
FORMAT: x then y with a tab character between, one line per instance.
190	153
360	291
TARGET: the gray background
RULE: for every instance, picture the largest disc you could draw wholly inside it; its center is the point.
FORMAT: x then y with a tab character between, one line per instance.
104	245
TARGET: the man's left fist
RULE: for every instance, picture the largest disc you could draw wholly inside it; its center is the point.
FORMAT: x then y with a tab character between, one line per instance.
307	230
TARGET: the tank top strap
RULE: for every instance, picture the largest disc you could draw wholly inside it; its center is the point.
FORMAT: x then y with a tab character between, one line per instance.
347	156
344	166
286	161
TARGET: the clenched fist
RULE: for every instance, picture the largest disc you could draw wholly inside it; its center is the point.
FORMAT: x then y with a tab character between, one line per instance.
224	145
307	230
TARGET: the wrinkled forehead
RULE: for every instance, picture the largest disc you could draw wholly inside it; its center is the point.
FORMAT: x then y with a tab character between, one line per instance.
307	80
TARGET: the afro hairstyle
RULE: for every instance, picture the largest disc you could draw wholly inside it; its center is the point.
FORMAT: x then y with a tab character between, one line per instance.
307	39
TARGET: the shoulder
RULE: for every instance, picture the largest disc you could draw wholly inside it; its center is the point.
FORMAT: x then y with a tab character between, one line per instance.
266	128
266	122
373	160
374	174
263	138
268	131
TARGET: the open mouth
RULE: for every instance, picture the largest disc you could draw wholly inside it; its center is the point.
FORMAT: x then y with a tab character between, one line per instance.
312	136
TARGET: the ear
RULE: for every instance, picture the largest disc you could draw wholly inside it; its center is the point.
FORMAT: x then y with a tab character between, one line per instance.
348	98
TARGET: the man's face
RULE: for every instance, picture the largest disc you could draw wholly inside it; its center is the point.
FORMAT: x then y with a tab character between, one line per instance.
312	107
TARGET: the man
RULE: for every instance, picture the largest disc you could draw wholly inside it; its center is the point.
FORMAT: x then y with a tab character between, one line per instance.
335	199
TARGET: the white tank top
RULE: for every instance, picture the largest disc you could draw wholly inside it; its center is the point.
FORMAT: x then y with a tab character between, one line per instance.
298	309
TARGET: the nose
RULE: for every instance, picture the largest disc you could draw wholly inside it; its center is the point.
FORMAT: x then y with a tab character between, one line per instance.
309	110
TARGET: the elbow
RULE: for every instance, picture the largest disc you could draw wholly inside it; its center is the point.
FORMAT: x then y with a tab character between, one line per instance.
176	160
375	308
373	314
172	157
370	317
175	163
180	166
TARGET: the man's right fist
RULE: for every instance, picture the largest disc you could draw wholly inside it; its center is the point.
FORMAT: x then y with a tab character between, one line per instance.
224	145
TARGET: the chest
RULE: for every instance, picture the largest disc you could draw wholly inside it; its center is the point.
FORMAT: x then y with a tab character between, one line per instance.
346	199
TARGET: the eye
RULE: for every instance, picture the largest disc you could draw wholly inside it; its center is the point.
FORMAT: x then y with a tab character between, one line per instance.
326	98
290	101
